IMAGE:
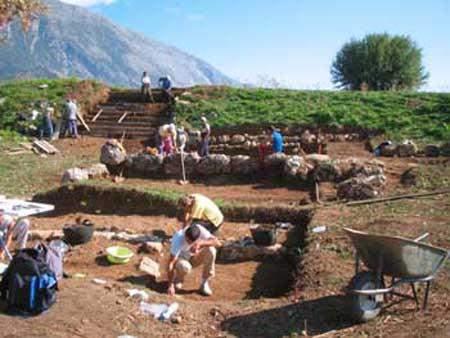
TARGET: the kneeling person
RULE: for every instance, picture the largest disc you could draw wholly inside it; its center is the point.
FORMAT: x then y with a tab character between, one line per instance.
11	230
192	247
199	209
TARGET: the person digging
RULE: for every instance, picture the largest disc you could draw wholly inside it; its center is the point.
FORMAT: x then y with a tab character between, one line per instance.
199	209
192	247
12	229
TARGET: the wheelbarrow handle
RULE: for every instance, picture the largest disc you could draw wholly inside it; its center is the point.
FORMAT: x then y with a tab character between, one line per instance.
422	237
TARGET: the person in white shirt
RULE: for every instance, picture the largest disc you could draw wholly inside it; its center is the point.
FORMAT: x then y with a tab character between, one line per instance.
190	248
167	138
203	146
10	230
72	111
146	90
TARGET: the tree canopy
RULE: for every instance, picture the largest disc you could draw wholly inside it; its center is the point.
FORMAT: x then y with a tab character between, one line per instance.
25	10
379	62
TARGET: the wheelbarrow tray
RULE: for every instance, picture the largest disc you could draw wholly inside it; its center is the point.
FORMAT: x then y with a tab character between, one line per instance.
397	257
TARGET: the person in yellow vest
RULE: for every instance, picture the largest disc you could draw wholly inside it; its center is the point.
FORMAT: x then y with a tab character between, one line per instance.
199	209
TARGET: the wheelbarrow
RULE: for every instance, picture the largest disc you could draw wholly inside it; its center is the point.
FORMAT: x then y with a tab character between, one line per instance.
405	261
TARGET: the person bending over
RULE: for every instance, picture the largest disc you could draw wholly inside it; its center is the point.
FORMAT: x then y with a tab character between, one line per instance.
192	247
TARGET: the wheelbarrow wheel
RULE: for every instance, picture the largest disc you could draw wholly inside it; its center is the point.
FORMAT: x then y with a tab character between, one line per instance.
364	307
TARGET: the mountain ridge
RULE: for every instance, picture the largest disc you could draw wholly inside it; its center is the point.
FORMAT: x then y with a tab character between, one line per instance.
71	41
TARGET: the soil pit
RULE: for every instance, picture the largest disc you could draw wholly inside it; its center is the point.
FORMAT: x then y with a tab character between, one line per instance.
269	277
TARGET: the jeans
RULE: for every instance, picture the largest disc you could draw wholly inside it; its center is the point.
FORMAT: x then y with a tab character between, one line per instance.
46	129
203	147
73	128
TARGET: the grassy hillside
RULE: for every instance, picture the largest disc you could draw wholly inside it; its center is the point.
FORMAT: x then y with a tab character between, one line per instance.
405	114
22	96
420	116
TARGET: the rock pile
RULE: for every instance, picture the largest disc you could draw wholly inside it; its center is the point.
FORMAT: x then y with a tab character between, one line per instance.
75	175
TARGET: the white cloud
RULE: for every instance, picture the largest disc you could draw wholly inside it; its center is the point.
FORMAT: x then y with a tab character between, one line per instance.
87	3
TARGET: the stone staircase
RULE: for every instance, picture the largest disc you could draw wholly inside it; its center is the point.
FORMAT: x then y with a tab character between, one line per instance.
126	114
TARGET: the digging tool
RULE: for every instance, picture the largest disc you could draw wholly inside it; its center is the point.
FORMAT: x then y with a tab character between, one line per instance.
183	181
3	246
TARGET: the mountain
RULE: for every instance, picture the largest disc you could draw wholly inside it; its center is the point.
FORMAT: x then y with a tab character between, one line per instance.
71	41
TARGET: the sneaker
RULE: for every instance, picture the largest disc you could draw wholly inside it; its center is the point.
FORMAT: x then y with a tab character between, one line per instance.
205	289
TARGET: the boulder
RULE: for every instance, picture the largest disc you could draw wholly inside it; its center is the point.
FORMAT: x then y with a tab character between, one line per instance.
431	150
75	175
360	188
145	163
445	149
243	165
307	138
172	163
97	171
223	139
113	153
151	247
237	139
214	164
410	176
296	166
389	150
150	267
317	158
406	149
327	172
274	163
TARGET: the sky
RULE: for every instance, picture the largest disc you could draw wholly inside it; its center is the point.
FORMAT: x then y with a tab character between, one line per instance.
292	41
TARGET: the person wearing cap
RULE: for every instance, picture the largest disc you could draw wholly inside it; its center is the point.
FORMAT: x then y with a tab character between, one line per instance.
167	138
146	90
11	229
192	247
199	209
203	146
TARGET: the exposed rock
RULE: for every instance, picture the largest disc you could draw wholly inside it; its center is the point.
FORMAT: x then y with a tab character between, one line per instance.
353	167
359	188
223	139
410	176
214	164
151	247
274	163
150	267
74	175
243	165
241	250
145	163
98	170
296	166
317	158
445	149
237	139
327	172
307	137
431	150
112	153
407	149
172	163
389	150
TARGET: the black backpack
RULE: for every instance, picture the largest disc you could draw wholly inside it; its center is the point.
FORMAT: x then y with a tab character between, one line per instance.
28	285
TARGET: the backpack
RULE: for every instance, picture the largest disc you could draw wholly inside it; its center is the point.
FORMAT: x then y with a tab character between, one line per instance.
28	285
53	257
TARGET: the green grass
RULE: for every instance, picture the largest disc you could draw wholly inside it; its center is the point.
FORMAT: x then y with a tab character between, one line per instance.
421	116
22	96
24	175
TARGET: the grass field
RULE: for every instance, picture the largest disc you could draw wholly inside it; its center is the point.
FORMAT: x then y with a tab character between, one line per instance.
419	116
424	116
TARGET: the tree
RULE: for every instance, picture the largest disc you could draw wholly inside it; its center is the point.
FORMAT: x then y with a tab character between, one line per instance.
379	62
25	10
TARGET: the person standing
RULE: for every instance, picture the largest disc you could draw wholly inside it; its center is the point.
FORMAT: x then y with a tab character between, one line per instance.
165	83
72	110
277	140
190	248
46	128
203	147
10	230
146	90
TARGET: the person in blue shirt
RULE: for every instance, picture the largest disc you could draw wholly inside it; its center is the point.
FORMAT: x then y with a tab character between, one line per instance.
277	140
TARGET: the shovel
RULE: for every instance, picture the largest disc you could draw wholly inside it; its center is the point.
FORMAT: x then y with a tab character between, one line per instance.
183	181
